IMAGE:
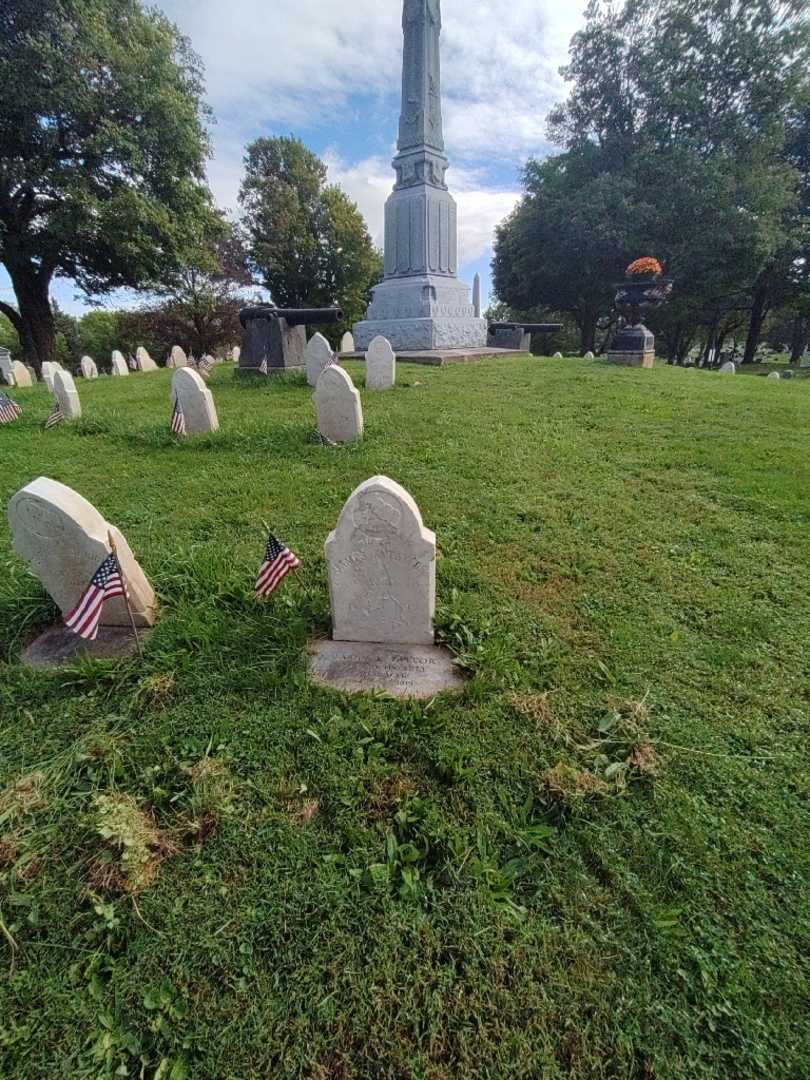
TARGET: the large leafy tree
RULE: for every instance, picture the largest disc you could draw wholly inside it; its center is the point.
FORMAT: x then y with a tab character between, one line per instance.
307	241
102	152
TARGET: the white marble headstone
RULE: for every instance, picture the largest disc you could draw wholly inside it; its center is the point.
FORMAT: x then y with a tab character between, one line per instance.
236	353
88	367
381	365
145	361
318	356
589	355
48	370
382	568
67	395
118	364
347	343
22	376
64	539
774	375
195	401
32	372
557	356
177	359
337	403
729	368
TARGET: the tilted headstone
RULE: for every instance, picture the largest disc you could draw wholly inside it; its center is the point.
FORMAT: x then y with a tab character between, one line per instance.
145	361
729	368
32	372
195	401
48	371
118	364
774	375
88	367
177	358
67	395
382	568
318	356
6	368
381	365
65	540
337	403
22	376
347	343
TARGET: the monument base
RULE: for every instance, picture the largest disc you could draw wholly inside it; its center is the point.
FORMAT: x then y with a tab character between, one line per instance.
403	671
423	335
632	359
58	647
420	313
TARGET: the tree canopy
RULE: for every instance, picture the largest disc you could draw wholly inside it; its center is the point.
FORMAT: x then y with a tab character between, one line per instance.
102	152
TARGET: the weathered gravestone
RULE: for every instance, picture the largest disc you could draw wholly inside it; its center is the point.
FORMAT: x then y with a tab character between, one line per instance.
381	365
774	375
317	357
65	540
22	376
347	343
195	401
557	356
88	367
145	361
177	358
6	368
337	403
67	396
32	372
588	355
48	371
236	354
729	368
118	364
382	587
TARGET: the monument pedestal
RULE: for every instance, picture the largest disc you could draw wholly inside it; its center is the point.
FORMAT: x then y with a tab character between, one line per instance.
421	313
633	346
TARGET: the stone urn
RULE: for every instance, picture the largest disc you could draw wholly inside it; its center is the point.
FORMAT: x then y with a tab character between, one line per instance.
634	345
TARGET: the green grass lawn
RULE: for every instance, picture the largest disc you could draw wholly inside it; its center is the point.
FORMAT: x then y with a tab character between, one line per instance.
592	863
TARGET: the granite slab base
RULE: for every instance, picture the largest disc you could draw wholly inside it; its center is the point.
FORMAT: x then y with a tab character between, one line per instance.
441	357
403	671
58	647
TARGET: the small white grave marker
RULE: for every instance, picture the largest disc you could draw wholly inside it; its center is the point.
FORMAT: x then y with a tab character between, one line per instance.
337	403
381	365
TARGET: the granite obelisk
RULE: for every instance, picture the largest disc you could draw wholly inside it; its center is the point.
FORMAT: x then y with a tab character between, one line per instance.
421	304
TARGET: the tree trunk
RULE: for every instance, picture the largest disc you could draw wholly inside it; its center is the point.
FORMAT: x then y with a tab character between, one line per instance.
798	340
759	312
35	323
587	329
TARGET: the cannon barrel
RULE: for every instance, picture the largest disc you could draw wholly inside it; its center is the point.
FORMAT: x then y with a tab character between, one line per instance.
292	316
528	328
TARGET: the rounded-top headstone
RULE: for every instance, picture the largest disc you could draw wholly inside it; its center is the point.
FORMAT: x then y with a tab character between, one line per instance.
145	361
382	568
177	358
48	370
22	376
118	364
65	540
381	365
67	395
236	353
729	368
337	403
774	375
318	356
88	367
589	355
557	356
347	343
196	402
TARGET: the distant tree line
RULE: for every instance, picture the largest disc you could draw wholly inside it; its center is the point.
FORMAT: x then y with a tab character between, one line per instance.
686	136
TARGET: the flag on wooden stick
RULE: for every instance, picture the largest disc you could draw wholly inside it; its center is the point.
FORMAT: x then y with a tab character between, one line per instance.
278	562
56	417
9	410
107	582
178	419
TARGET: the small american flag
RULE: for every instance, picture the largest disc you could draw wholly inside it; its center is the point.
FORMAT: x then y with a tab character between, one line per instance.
56	417
205	365
107	582
133	364
9	410
278	562
178	419
263	366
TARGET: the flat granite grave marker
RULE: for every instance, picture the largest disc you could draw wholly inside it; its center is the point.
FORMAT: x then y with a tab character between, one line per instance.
382	587
65	540
337	404
145	361
381	365
88	367
118	364
67	395
195	401
22	376
318	357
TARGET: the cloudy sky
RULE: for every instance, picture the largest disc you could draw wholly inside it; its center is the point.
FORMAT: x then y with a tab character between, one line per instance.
329	72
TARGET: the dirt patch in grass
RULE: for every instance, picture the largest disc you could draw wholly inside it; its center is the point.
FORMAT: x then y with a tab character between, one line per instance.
23	796
136	847
386	796
566	784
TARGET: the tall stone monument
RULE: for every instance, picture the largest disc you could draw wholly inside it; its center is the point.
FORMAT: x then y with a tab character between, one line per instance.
421	305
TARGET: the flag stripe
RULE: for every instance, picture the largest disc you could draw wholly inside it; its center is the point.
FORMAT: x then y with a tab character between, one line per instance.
274	572
107	583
